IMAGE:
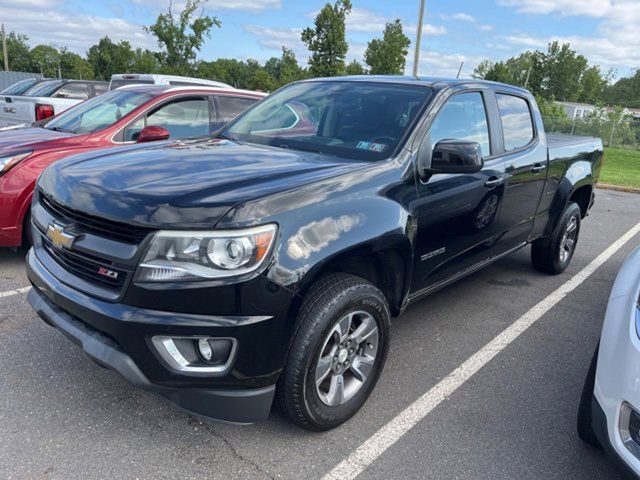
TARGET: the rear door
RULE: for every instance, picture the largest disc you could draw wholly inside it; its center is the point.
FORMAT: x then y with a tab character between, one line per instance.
525	159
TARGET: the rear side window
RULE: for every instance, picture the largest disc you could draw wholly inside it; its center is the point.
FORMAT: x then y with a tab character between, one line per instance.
75	91
230	107
100	88
517	127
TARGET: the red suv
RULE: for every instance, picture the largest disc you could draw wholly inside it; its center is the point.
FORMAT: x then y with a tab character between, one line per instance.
137	113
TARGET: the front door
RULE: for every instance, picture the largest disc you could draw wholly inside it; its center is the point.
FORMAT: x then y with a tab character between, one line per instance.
458	215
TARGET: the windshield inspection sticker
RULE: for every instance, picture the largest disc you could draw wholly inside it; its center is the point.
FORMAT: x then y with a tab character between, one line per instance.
372	147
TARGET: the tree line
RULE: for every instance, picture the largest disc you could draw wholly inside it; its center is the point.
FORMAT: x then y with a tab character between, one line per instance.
181	35
559	73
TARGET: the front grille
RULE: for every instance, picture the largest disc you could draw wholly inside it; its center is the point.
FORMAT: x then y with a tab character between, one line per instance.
91	224
86	267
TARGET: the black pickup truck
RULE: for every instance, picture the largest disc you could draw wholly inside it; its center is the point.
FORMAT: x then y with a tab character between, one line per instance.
266	261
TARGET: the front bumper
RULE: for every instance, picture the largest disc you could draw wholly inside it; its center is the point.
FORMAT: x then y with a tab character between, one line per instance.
117	336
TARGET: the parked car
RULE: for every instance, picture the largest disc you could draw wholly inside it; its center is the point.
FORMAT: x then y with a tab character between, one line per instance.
46	100
132	114
609	412
224	272
21	87
120	79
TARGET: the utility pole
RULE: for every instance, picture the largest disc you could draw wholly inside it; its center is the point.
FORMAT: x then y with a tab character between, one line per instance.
460	69
5	55
416	58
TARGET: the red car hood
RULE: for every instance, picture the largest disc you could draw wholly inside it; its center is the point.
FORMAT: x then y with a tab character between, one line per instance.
24	138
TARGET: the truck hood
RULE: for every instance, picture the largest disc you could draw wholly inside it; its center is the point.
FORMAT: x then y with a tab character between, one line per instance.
25	137
182	184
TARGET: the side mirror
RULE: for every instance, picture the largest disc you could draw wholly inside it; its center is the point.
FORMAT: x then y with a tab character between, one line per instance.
456	156
152	133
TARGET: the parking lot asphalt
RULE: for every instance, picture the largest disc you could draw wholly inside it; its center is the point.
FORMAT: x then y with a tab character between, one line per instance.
62	416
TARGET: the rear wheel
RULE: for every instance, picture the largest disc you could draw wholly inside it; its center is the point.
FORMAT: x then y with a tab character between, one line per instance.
553	255
585	429
337	352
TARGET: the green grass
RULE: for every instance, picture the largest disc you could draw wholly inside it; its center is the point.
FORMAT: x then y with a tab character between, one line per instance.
621	167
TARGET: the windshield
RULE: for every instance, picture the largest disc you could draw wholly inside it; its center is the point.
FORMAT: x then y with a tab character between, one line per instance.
44	89
99	112
360	120
19	87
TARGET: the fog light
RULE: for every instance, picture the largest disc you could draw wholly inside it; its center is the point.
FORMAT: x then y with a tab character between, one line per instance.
196	355
205	349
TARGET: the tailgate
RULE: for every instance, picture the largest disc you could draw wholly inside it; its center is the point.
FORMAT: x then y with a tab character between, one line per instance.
15	110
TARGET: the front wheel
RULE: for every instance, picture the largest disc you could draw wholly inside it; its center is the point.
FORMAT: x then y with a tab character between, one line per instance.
554	254
337	352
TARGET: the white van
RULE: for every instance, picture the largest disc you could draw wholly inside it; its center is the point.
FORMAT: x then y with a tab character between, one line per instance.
120	79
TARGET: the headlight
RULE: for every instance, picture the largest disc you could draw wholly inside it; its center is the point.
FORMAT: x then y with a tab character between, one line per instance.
197	255
9	161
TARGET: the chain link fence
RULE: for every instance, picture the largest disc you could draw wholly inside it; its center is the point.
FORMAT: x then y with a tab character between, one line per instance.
618	133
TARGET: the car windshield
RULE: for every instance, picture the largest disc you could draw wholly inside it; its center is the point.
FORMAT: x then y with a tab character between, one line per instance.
19	87
44	89
99	112
359	120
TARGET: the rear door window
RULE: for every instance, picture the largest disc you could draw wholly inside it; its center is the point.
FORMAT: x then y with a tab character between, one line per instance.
74	91
229	107
517	127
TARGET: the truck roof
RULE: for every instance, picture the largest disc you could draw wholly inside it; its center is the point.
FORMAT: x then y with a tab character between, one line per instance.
158	89
433	82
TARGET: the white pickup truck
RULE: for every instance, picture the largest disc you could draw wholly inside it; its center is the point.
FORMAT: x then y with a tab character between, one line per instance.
46	100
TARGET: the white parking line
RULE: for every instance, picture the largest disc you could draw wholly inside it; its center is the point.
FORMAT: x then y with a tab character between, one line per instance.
11	293
390	433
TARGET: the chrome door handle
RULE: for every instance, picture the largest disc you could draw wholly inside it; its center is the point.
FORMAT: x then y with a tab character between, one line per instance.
493	182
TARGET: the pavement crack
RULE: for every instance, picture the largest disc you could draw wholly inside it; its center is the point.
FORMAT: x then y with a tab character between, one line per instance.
234	451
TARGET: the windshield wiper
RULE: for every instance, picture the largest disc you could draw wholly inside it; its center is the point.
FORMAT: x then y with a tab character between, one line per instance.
59	129
224	137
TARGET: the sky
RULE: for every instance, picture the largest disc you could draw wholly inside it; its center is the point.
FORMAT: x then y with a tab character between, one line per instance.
607	32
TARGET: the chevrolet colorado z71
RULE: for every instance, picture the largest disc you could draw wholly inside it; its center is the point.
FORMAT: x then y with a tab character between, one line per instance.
267	261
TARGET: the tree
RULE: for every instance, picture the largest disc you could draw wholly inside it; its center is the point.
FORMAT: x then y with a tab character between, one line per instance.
284	69
326	41
228	70
145	61
387	56
564	69
107	58
625	92
259	78
355	68
45	59
73	65
183	36
592	85
18	51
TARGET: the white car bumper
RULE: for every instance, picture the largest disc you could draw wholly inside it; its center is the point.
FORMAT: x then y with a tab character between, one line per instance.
617	384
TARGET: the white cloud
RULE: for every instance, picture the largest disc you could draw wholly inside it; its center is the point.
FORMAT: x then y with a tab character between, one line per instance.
593	8
77	31
276	38
616	39
438	64
428	29
213	5
365	20
485	27
461	16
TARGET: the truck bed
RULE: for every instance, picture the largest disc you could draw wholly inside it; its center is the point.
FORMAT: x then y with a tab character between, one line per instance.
572	146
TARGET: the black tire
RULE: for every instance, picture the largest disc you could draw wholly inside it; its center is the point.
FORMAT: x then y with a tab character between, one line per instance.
327	302
584	424
546	255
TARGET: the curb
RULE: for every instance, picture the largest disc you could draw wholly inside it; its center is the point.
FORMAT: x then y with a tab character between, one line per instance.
618	188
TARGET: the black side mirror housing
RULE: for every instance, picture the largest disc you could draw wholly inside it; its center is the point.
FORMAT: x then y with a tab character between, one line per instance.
455	156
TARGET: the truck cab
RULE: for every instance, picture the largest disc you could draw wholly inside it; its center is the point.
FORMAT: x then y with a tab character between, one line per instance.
265	262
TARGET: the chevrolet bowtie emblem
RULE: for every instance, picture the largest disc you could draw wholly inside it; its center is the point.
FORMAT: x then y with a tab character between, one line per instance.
59	238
